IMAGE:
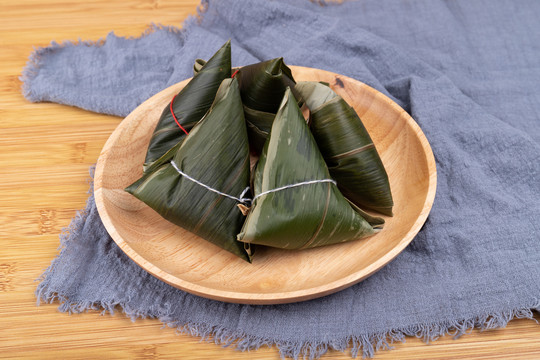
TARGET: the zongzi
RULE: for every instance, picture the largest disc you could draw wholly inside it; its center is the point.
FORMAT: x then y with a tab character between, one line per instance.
296	205
347	148
262	86
199	182
190	105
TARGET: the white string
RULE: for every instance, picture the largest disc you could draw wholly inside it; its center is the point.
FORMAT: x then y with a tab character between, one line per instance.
242	199
294	185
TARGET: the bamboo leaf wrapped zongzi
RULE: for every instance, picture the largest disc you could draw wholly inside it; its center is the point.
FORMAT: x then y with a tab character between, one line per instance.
296	205
190	105
199	182
347	148
262	86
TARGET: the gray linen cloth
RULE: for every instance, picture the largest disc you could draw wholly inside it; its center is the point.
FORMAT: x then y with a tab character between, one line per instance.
467	71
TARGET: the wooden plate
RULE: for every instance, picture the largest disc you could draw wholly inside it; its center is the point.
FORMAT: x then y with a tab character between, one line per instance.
188	262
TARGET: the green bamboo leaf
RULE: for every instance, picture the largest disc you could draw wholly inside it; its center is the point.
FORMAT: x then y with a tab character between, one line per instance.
259	124
262	86
216	153
347	148
303	216
190	104
198	65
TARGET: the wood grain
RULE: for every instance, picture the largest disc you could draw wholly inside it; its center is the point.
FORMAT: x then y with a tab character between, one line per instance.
275	276
43	184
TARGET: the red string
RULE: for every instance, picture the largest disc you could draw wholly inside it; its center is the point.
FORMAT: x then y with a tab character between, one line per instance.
174	116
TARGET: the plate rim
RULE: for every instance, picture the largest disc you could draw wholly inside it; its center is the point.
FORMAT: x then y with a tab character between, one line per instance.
270	297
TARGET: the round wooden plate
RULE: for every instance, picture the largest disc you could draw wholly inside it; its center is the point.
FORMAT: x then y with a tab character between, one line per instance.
188	262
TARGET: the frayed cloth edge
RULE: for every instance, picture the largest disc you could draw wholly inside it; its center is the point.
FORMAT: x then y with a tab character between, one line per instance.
364	345
34	63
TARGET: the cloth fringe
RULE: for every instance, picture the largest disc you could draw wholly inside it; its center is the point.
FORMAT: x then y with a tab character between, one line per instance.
34	63
364	345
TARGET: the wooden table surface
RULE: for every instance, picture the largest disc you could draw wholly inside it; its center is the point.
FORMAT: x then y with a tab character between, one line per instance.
45	152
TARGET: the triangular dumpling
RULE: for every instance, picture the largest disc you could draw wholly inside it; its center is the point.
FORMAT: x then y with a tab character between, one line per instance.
262	86
347	148
190	105
301	216
216	153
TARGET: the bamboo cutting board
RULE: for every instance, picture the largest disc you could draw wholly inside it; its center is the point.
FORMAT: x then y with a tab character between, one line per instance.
45	153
